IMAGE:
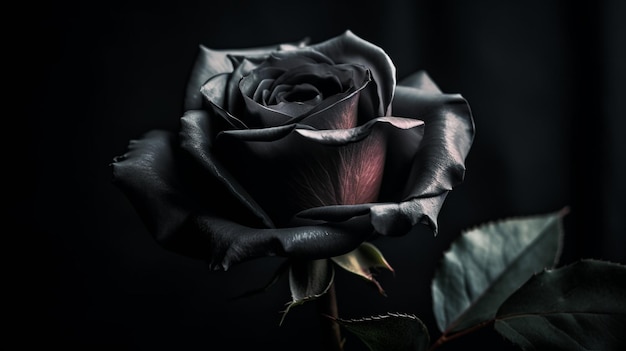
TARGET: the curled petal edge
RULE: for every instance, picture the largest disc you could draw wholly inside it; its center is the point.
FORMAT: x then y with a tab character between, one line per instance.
326	136
343	136
348	47
232	243
389	219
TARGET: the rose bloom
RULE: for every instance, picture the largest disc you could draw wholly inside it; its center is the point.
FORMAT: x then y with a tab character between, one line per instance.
297	150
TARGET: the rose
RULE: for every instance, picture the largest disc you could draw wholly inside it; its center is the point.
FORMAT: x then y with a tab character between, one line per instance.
294	151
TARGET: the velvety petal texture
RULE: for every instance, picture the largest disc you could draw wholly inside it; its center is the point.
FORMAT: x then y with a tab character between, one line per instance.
296	150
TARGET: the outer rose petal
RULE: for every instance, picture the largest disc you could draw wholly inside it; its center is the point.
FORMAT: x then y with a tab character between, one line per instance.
420	80
232	243
436	167
196	137
312	167
439	164
149	175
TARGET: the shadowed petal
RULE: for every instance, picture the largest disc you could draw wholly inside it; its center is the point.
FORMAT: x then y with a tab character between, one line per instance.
210	62
232	243
213	93
349	48
420	80
315	167
148	175
437	164
196	137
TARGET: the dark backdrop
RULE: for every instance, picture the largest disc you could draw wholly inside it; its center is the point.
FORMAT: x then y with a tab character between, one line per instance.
545	80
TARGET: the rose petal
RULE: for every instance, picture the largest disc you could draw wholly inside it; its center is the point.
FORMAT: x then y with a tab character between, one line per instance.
148	175
210	62
349	48
232	243
234	98
342	111
315	167
213	93
344	136
149	164
196	137
336	83
391	219
437	166
448	136
337	112
213	89
257	115
420	80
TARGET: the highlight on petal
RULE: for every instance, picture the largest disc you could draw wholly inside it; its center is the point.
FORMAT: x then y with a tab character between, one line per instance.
344	136
214	88
398	218
360	171
357	173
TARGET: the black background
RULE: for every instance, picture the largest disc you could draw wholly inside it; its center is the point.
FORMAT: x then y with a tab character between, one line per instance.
545	80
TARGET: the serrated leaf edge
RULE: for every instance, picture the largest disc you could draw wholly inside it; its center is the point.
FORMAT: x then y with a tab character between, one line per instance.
376	317
560	214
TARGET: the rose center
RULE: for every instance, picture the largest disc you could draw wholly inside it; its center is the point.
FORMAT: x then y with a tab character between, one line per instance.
302	96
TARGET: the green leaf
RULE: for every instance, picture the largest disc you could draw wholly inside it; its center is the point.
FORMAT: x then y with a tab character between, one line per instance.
308	280
390	332
362	260
487	264
578	307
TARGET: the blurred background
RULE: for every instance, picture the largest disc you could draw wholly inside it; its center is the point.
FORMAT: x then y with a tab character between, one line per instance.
545	81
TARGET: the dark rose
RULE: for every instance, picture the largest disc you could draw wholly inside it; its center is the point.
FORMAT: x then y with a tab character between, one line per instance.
301	151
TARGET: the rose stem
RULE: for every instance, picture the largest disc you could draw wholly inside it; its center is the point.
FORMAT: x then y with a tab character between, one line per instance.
331	333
